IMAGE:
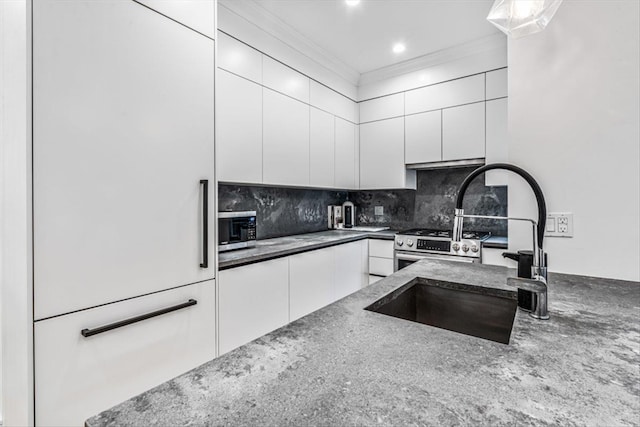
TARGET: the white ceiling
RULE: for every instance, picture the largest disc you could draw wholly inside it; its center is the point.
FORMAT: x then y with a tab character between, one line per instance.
362	36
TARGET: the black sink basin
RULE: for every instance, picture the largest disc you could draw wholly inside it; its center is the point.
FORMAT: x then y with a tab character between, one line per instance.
479	312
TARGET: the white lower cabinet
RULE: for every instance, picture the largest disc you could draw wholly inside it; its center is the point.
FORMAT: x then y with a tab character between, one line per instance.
77	377
351	273
310	281
380	257
254	300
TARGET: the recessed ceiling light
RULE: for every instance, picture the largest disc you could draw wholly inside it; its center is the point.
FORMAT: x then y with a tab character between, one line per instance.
399	48
351	2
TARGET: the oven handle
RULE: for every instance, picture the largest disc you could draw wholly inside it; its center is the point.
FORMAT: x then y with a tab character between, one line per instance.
410	257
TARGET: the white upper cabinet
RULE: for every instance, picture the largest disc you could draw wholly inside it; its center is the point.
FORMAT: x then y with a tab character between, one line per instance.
423	137
346	154
382	108
463	134
196	14
285	80
285	141
239	58
123	132
456	92
497	84
382	155
497	149
333	102
239	122
321	149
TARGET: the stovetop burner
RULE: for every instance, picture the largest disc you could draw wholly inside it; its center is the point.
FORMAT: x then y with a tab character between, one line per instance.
444	234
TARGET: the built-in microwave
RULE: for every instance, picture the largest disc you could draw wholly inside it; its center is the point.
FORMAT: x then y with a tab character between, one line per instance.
236	230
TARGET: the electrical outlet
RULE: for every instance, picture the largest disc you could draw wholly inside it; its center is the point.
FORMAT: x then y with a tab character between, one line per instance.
378	210
559	224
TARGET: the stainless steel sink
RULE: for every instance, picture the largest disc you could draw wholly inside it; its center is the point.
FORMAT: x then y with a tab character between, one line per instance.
480	312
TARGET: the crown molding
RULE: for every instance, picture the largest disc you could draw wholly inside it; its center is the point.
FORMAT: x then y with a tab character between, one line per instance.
484	44
271	24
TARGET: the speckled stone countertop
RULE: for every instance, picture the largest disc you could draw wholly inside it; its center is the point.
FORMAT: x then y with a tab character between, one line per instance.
342	365
289	245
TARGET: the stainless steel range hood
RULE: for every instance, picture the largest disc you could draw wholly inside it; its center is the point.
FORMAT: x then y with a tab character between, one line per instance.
447	164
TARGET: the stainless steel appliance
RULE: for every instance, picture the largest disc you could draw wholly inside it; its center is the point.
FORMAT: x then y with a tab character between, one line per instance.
236	230
417	244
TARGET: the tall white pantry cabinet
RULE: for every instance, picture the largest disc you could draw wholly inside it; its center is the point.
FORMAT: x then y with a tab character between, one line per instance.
123	199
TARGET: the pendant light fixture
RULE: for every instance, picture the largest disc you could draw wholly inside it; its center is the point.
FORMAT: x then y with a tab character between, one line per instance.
518	18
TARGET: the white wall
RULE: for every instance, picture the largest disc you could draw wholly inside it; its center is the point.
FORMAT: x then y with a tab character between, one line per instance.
574	125
15	225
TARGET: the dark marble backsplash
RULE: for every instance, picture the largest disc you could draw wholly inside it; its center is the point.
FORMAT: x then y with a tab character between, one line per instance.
286	211
281	211
433	203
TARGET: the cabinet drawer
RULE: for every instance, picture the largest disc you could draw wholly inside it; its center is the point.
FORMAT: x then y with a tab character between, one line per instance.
380	266
77	377
381	248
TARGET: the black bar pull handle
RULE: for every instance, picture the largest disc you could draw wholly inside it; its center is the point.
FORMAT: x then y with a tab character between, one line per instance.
205	223
95	331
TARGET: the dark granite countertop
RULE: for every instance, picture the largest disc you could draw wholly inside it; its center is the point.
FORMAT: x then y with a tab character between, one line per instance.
342	365
289	245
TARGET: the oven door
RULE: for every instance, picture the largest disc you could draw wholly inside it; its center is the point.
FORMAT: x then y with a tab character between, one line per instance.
402	259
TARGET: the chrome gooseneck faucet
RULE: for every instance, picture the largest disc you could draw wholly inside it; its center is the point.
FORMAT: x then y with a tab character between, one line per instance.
538	283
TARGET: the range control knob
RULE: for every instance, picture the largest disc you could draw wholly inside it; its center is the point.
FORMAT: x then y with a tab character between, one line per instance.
474	248
399	242
465	248
409	242
456	246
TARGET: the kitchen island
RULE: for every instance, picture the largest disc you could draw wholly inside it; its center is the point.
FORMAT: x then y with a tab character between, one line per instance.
343	365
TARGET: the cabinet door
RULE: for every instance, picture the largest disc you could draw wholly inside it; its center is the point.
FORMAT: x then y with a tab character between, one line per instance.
238	58
279	77
285	141
382	154
254	300
463	132
239	145
423	137
122	135
196	14
346	171
77	377
310	282
448	94
497	84
322	149
497	142
382	108
350	273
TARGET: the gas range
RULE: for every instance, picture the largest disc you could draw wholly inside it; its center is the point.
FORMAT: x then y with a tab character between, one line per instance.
439	243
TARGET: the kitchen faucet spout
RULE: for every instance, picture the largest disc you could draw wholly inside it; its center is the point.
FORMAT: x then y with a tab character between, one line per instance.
538	281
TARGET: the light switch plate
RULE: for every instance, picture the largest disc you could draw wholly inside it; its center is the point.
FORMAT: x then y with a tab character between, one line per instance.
378	210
